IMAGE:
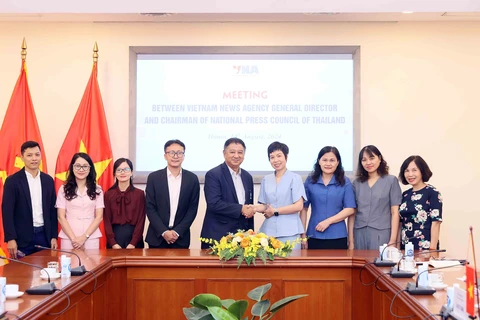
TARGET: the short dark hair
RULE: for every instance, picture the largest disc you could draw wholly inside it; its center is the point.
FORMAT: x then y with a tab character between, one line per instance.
371	150
277	146
174	141
421	165
234	140
29	144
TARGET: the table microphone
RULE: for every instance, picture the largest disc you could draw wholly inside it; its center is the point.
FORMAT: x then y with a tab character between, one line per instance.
77	271
379	262
43	289
396	273
414	289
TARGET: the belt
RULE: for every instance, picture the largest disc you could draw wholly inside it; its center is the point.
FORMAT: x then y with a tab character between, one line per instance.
38	229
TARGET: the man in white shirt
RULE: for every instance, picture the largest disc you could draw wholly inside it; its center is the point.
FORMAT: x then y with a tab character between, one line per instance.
28	206
172	196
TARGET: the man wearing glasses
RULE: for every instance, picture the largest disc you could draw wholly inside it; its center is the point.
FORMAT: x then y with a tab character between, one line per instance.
28	206
172	201
229	195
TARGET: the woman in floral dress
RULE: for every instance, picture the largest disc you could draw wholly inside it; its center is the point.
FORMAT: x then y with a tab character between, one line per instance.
421	207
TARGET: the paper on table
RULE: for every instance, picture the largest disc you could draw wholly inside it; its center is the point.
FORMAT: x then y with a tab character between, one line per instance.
443	263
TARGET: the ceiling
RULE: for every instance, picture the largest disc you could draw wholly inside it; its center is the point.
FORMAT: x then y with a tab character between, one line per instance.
161	11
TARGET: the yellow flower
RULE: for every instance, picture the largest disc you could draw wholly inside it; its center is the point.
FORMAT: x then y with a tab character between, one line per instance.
245	242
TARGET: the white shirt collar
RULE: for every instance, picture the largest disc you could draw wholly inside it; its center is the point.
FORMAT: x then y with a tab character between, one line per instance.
170	174
31	175
233	173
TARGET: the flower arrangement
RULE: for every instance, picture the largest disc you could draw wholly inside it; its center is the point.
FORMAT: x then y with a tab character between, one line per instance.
209	306
248	246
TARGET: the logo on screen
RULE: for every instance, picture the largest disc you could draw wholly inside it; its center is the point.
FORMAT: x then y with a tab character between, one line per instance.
245	70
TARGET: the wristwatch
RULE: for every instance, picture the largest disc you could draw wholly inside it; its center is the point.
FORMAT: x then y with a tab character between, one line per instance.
276	213
87	235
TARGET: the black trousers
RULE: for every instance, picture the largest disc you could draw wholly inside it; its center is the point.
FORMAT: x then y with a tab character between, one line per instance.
340	243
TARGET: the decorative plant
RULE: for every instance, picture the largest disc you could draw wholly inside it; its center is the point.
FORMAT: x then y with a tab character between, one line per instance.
248	246
207	306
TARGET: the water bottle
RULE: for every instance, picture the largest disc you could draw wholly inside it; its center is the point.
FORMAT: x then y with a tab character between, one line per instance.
382	251
3	283
66	264
423	275
450	297
409	251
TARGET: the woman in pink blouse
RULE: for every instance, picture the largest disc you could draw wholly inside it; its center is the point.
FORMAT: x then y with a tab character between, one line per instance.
124	209
80	206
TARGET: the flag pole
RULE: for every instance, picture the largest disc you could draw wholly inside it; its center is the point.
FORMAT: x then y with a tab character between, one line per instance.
24	49
475	268
95	52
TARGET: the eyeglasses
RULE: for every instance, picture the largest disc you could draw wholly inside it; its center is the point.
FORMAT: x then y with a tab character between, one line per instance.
78	167
173	153
126	170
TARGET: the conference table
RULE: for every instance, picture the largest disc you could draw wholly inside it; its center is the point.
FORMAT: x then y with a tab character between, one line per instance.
158	283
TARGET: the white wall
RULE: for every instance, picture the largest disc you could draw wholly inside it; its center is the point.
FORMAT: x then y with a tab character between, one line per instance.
419	89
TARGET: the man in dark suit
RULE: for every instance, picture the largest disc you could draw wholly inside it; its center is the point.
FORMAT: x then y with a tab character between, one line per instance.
172	201
229	195
28	206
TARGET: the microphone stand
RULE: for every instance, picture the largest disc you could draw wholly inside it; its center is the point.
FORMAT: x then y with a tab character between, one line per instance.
414	289
44	289
396	273
77	271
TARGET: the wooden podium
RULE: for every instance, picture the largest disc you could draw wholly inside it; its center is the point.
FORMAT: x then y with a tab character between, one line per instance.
158	283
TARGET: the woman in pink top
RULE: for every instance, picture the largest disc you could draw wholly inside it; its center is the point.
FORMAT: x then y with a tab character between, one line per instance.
80	205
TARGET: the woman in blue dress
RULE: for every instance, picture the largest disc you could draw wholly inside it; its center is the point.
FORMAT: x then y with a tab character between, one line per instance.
281	198
421	207
332	198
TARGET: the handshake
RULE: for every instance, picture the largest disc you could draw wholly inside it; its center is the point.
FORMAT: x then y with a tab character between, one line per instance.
249	210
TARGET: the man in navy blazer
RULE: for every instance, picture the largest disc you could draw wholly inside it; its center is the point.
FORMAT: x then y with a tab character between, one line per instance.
28	206
172	201
229	195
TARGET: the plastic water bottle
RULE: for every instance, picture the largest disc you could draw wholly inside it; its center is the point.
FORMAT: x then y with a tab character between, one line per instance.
3	283
423	275
382	251
66	264
450	297
409	251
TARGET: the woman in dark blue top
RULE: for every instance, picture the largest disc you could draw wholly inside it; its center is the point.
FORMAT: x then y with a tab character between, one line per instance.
421	208
332	198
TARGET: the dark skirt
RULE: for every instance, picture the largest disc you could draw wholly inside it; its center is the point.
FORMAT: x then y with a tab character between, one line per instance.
123	235
340	243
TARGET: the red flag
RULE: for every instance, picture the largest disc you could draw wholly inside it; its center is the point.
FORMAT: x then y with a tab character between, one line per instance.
88	133
19	125
470	284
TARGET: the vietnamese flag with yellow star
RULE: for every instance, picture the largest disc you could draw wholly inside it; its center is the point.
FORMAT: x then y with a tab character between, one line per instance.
470	284
88	133
19	125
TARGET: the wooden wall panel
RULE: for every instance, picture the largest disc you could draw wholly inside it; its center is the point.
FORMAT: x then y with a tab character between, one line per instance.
99	296
115	303
160	298
362	296
327	299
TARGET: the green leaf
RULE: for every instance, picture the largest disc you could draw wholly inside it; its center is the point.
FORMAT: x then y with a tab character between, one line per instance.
227	303
221	314
260	307
257	293
238	308
197	314
282	303
205	300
